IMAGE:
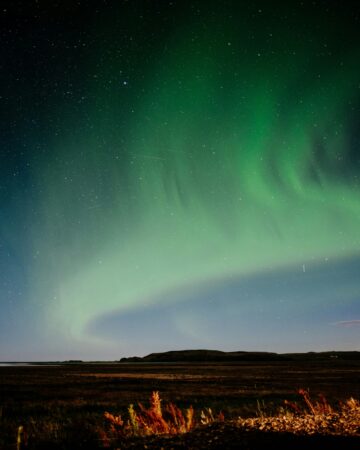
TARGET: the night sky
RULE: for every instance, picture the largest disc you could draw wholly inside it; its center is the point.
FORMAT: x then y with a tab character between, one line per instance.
179	174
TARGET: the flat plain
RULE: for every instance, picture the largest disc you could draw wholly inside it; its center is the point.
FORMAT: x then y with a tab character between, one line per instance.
62	406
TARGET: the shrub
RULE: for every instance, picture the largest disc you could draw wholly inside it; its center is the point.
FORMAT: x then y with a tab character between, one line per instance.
156	420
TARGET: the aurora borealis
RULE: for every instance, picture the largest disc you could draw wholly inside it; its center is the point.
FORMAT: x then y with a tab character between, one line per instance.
179	174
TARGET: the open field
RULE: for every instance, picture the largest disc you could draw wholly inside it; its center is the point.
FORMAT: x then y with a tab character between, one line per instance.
63	406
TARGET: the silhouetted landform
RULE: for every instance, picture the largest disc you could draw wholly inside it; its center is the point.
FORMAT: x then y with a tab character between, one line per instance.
219	356
73	361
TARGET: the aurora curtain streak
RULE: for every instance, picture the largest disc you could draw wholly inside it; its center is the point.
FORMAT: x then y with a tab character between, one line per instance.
232	154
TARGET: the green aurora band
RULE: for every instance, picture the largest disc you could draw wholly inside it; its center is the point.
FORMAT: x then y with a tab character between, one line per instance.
231	163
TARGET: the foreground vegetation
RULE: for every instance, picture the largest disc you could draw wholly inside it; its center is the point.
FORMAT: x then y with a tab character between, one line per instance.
315	417
310	417
87	406
157	420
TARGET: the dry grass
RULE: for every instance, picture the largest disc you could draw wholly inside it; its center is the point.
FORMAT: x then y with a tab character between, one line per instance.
307	417
311	417
155	420
152	376
58	408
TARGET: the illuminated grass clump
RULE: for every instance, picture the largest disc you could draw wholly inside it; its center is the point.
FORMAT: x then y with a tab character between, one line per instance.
157	420
315	417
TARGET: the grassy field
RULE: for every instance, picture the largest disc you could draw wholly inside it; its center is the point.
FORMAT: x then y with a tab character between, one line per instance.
62	407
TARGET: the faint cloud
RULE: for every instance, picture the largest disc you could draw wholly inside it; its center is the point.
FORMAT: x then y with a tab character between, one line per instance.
348	323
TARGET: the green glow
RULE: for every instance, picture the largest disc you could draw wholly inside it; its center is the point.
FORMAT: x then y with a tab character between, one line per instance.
209	178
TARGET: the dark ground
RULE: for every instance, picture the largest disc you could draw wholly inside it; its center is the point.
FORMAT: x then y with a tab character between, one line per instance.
61	407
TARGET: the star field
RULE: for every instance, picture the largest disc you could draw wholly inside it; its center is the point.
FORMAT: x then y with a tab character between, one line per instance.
179	174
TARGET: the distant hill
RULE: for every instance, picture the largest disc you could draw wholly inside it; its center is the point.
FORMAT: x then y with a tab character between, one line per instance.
219	356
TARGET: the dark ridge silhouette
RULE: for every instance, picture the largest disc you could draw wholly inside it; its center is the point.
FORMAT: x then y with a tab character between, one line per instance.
220	356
